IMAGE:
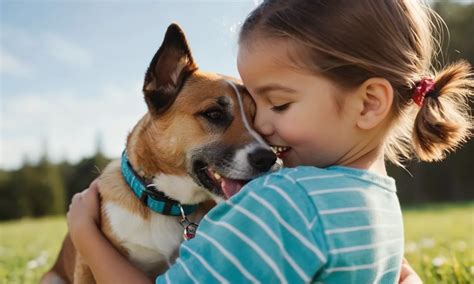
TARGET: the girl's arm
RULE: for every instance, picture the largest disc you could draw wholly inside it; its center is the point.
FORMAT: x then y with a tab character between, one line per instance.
109	266
106	263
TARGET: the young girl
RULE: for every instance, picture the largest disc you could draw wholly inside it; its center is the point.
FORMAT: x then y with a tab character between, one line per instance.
340	86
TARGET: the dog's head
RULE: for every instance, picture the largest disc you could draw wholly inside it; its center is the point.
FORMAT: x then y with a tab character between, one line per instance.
196	141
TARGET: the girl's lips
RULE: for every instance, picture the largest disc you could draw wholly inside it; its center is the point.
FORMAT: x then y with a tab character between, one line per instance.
280	151
281	155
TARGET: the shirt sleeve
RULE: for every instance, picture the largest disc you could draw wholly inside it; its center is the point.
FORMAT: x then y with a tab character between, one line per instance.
268	232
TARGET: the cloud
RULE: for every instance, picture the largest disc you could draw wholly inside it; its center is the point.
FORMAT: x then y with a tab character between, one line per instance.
68	122
12	65
66	51
34	46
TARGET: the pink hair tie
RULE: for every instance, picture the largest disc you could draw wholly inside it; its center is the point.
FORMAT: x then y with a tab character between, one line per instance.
423	88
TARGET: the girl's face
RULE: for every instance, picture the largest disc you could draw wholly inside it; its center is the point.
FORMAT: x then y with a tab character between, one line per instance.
296	111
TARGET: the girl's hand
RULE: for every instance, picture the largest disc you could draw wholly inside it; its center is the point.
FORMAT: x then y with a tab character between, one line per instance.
106	263
408	275
84	214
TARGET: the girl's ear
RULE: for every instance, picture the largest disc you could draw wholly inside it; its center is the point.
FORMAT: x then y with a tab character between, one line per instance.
376	96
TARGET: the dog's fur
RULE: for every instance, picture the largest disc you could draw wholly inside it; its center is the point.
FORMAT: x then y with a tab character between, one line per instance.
194	124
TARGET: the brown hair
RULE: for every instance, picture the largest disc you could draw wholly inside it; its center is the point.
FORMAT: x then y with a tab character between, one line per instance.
351	41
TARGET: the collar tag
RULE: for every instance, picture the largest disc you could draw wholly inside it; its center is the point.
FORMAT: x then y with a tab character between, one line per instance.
190	228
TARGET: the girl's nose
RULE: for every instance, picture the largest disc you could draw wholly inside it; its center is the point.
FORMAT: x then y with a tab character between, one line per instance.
263	124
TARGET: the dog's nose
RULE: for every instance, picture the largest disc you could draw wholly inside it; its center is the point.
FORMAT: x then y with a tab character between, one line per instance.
262	159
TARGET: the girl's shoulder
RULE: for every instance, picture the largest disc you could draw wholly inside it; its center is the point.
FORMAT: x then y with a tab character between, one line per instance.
281	191
330	177
292	175
278	191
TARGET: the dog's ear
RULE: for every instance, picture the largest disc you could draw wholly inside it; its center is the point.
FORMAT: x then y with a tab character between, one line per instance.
168	70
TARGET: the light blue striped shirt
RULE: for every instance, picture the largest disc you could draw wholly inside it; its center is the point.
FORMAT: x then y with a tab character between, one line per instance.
296	225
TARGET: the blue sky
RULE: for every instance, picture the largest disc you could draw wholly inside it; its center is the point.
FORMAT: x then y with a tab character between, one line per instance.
71	70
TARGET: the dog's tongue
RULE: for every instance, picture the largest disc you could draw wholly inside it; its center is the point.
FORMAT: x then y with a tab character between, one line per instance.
231	187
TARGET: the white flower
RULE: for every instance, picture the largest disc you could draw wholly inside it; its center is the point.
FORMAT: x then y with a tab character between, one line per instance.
32	264
461	245
438	261
411	247
427	243
40	260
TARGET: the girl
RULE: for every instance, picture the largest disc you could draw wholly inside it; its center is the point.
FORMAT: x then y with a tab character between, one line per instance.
340	86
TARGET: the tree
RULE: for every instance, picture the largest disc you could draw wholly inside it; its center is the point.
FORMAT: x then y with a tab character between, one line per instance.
79	176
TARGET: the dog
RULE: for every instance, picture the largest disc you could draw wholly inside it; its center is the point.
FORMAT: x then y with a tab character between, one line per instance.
193	147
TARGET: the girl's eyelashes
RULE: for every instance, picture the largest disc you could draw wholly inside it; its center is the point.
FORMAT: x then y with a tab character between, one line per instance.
281	108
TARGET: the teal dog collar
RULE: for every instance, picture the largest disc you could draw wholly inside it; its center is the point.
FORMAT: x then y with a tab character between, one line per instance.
149	194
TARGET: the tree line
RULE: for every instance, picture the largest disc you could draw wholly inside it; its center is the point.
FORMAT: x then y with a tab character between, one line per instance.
46	188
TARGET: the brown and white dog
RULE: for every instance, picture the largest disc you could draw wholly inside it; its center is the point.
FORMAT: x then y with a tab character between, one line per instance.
192	147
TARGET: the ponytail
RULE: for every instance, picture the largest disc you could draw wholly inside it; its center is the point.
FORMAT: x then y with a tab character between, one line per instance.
444	121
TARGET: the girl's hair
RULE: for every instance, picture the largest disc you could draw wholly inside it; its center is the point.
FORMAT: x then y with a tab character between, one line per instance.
351	41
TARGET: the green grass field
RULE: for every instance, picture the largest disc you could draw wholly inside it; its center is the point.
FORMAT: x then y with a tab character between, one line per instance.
439	244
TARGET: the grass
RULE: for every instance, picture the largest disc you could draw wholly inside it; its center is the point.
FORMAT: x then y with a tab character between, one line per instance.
29	247
439	244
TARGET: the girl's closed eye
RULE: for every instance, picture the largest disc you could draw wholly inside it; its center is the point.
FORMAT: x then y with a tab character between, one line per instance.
281	108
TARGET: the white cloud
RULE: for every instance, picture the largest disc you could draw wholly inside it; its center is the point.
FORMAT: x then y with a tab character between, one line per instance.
66	51
50	43
12	65
69	122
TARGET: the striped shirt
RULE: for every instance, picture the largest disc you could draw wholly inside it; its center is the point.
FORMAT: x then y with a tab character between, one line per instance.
299	225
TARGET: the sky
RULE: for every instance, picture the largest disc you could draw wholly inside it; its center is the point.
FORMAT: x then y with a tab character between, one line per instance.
71	72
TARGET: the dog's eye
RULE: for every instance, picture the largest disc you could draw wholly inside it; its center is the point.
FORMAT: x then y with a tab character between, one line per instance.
214	115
